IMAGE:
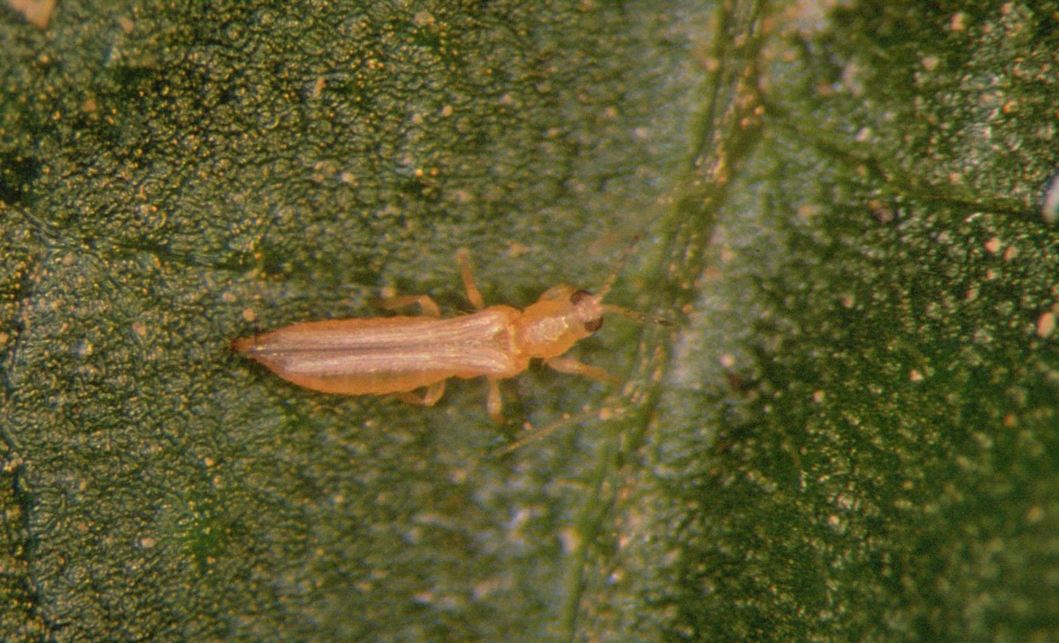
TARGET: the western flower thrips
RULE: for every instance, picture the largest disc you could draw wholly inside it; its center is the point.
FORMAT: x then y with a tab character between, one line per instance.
397	355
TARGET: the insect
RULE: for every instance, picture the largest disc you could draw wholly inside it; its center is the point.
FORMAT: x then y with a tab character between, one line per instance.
397	355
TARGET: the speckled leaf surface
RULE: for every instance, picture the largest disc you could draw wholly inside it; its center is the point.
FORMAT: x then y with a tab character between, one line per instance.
176	175
850	434
881	464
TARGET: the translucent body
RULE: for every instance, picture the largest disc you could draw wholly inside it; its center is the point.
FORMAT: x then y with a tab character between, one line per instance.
396	355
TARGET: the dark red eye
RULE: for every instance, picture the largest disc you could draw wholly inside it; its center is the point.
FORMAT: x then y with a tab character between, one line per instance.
593	325
579	295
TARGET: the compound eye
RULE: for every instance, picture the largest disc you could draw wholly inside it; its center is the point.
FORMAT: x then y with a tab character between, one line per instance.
578	295
593	325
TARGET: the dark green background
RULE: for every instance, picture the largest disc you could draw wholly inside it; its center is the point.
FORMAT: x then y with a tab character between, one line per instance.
851	435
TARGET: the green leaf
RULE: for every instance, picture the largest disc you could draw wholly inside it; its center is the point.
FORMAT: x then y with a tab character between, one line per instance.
850	434
881	463
179	175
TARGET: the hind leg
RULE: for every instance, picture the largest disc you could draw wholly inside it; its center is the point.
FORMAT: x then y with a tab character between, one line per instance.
430	398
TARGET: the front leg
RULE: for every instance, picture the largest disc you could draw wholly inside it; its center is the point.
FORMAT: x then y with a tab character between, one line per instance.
571	365
494	403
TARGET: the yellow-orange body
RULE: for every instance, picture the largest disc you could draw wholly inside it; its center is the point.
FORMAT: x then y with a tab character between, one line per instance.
396	355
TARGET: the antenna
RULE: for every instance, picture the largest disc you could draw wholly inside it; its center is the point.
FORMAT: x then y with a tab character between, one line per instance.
605	288
633	314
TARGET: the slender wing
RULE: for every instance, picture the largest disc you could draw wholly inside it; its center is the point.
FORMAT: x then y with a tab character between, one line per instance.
387	355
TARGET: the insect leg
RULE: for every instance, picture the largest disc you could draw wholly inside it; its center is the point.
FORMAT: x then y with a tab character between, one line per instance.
571	365
494	403
430	398
426	304
463	258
